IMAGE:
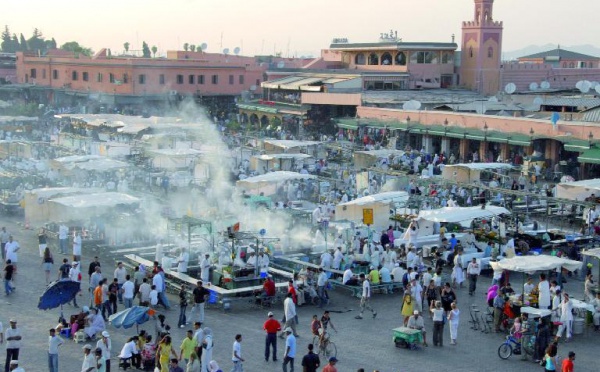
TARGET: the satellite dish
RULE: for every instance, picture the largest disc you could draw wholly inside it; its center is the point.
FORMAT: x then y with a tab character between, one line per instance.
280	64
226	51
480	108
203	46
533	86
236	51
493	99
597	89
538	101
579	84
585	86
411	105
545	85
594	84
510	88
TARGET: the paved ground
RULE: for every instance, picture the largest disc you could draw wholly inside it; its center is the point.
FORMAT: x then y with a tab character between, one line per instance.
361	343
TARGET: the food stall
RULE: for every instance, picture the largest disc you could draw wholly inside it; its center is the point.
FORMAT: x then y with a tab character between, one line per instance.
472	172
268	183
380	204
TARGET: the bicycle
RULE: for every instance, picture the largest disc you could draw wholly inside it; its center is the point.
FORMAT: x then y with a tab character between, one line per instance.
325	347
506	349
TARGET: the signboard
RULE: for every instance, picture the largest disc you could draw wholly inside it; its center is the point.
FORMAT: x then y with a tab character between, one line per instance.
368	216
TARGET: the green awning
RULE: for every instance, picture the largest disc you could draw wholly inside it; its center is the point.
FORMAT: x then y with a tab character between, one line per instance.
590	156
573	144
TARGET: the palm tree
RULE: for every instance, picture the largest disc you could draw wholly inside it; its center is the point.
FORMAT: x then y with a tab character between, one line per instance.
126	46
192	47
154	50
186	46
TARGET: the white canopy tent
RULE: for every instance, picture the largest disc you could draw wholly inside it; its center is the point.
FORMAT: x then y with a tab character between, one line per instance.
595	253
267	183
87	205
578	190
461	214
366	159
380	203
471	172
531	264
174	158
283	162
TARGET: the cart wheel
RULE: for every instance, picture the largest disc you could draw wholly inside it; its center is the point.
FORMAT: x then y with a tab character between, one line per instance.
505	351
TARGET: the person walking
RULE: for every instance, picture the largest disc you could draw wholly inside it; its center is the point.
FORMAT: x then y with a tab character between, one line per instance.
3	240
438	324
330	367
290	350
165	349
473	271
200	294
63	238
77	247
236	357
105	345
207	346
54	342
47	262
289	310
365	300
453	319
566	318
311	361
11	248
75	276
271	327
183	303
128	290
89	360
188	346
567	364
321	284
13	343
9	273
42	241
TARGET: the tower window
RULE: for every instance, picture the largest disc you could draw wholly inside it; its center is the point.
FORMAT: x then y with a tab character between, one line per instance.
471	52
490	52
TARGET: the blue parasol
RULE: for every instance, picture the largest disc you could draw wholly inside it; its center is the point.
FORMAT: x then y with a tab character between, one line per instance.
130	317
58	293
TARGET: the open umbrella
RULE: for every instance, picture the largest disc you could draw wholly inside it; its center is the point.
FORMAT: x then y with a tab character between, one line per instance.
128	317
58	293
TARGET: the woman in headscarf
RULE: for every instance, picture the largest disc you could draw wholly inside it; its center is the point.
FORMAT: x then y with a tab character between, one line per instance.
207	345
491	294
214	367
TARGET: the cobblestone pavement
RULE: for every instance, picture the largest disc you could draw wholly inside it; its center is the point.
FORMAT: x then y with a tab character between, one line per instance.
363	343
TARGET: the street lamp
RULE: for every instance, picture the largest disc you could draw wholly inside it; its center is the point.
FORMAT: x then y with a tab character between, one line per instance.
445	127
590	138
485	130
531	133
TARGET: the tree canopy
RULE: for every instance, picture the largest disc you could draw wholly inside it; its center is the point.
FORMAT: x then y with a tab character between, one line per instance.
10	43
73	46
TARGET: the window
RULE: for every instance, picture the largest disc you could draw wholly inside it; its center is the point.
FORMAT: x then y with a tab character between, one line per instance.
111	78
373	59
191	79
490	52
74	76
424	57
142	79
201	79
241	80
386	59
471	52
125	78
447	58
44	73
54	74
33	73
161	79
258	82
564	64
179	79
215	79
571	65
231	79
583	65
360	59
99	77
401	59
85	76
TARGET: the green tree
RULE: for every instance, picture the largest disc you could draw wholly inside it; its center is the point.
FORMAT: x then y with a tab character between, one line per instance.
192	47
154	50
36	42
23	43
146	50
186	47
8	46
73	46
126	46
51	44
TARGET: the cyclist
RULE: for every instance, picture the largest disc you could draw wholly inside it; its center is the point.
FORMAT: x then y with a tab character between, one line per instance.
325	323
315	325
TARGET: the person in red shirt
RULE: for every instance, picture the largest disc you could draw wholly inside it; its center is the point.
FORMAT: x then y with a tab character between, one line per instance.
269	287
567	364
331	366
271	326
292	290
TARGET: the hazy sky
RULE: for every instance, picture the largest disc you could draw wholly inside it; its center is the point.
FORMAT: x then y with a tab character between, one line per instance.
291	27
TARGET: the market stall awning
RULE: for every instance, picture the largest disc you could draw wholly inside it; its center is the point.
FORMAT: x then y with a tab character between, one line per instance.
591	156
531	264
277	177
105	199
574	144
460	214
384	197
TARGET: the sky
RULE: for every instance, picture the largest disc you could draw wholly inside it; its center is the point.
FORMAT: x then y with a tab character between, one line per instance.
293	28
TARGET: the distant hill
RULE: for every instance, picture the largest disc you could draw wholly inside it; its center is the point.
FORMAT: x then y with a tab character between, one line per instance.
531	49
